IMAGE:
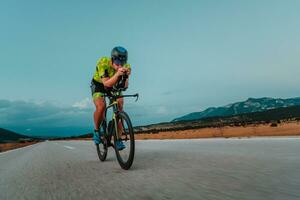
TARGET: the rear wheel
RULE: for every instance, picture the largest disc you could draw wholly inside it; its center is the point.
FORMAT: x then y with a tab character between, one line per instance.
102	147
125	157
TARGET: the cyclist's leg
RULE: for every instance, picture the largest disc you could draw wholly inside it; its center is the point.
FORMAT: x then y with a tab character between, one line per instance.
100	109
99	101
120	104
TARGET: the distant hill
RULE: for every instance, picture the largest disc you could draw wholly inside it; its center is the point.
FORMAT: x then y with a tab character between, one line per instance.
249	106
272	116
87	135
9	136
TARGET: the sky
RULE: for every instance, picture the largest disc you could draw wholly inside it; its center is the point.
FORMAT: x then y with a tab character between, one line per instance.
186	56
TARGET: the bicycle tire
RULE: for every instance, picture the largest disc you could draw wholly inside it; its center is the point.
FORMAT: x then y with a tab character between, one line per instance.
125	163
102	147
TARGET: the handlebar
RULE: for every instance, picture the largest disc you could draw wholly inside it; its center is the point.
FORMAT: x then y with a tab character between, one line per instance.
111	95
130	95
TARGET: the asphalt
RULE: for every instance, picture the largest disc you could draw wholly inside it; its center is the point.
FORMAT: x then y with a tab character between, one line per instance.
259	168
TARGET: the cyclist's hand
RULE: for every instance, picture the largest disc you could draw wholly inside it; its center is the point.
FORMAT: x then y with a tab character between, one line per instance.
121	71
128	71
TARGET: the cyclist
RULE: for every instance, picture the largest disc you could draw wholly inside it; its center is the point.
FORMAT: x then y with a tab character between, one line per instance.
109	73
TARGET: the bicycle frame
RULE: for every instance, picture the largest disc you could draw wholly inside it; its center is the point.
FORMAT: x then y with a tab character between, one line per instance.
113	103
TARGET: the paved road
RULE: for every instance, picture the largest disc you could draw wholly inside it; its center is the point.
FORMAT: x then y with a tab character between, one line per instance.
261	168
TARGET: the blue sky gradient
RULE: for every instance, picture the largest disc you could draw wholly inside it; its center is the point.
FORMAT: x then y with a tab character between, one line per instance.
185	55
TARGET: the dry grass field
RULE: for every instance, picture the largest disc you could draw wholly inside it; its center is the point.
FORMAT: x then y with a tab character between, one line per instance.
282	129
10	146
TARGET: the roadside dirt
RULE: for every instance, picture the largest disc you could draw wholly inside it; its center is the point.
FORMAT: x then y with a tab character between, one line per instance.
282	129
10	146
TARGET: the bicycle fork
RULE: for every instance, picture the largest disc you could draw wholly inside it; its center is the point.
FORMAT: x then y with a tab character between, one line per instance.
116	126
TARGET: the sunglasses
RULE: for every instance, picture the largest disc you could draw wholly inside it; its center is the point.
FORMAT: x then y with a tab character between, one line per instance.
120	60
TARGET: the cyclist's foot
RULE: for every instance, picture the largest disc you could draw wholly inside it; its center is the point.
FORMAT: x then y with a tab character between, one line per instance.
120	145
96	137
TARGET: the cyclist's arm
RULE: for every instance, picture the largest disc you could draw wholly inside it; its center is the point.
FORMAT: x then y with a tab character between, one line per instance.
110	82
126	83
127	80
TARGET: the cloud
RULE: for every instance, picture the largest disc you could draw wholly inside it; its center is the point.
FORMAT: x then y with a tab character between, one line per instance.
46	118
149	114
39	117
162	110
85	103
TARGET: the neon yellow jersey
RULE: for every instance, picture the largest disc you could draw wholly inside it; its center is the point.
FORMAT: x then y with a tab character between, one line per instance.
104	69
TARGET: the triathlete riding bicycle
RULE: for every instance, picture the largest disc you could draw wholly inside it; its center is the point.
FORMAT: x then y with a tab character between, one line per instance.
110	72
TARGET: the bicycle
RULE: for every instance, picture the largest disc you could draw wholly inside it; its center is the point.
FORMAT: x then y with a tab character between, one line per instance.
125	157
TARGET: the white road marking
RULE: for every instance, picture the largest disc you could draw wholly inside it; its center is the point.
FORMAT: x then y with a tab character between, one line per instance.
68	147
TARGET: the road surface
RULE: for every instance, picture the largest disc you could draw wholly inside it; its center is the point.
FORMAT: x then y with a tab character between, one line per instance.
258	168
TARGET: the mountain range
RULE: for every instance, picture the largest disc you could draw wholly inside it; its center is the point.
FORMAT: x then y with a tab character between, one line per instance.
9	136
248	106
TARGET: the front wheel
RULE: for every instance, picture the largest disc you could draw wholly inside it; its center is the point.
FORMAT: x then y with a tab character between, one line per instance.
126	135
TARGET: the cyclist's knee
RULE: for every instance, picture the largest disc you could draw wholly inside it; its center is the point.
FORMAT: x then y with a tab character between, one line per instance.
100	105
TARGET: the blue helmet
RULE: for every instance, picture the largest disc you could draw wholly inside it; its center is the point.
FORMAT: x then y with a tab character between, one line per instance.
119	55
